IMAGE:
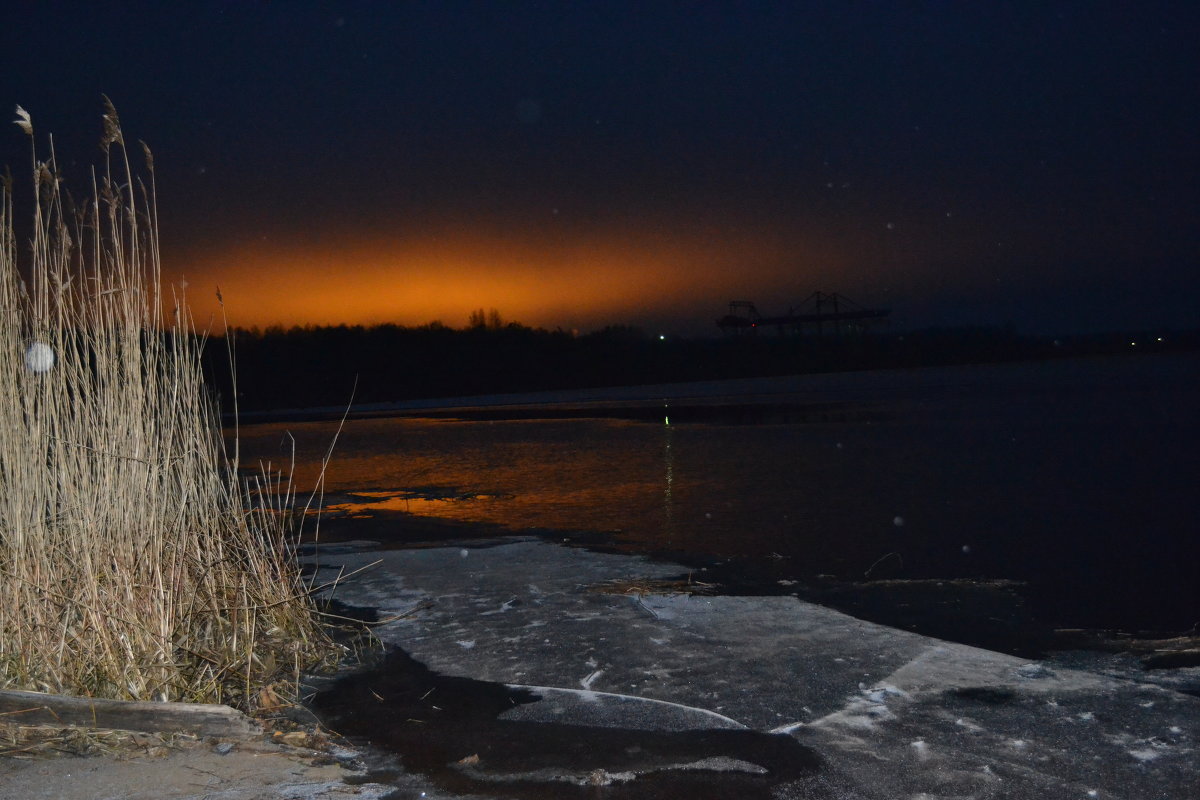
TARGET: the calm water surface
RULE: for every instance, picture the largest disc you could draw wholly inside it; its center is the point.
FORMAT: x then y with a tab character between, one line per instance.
1079	478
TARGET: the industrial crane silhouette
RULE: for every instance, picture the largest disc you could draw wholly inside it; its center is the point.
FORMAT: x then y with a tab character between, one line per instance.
819	310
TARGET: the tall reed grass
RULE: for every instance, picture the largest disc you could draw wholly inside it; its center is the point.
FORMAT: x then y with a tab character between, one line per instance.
132	563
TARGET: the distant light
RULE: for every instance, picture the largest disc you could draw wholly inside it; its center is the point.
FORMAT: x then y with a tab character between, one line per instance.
1160	338
666	420
662	337
1133	344
898	522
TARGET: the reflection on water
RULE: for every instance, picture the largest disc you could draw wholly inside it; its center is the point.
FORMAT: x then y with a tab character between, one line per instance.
570	475
1081	481
668	481
365	504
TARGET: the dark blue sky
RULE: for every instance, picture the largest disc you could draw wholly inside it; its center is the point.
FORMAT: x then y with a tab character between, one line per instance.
580	164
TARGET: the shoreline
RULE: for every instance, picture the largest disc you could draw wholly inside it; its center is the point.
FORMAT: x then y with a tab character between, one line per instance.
463	615
203	769
533	636
991	613
840	387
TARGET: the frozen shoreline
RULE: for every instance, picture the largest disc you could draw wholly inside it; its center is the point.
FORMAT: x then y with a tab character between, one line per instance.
619	680
936	717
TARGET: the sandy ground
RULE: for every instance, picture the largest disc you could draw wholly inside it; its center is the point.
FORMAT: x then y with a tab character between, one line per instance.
254	770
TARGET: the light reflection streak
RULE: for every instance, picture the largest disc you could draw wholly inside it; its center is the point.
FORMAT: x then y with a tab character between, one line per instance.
668	480
407	502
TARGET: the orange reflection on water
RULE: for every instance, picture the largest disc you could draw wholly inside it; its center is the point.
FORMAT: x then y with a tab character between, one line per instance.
518	474
367	504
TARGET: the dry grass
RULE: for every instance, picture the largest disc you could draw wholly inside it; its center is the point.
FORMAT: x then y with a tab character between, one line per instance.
44	741
130	565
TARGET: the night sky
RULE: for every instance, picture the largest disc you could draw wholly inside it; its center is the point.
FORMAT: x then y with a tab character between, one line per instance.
582	164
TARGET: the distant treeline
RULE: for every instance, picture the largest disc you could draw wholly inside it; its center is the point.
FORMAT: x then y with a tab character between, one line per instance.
304	367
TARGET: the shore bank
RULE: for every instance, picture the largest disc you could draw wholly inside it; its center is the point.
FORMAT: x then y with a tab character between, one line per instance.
524	670
217	770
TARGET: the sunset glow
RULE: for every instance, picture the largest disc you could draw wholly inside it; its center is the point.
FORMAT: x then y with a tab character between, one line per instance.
600	164
584	283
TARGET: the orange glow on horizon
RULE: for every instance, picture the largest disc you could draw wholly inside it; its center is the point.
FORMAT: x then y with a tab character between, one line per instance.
584	283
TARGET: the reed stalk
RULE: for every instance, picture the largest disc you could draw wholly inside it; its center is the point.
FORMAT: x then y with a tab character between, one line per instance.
132	565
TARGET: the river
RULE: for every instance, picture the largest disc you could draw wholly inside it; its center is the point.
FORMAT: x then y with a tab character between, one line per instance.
1075	480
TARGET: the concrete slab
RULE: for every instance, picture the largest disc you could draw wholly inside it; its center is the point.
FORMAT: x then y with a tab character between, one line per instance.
792	699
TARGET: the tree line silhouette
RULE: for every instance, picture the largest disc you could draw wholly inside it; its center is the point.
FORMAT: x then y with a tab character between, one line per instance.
311	366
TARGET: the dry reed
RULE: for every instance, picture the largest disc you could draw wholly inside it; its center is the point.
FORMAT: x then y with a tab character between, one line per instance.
132	563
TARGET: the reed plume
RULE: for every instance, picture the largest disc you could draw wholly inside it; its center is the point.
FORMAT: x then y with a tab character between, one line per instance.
133	564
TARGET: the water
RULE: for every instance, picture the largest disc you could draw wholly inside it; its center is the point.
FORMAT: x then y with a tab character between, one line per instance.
1077	479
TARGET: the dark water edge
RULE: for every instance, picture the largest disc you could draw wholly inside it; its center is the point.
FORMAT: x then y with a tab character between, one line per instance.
993	614
442	726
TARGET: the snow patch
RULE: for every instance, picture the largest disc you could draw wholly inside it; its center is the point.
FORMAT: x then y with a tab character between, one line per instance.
1144	750
865	711
967	724
723	764
881	693
601	777
505	606
1034	672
